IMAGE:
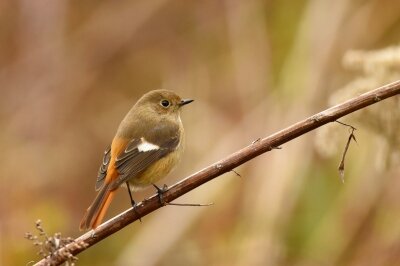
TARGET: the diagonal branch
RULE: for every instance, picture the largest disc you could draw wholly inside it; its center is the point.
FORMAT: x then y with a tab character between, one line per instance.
225	165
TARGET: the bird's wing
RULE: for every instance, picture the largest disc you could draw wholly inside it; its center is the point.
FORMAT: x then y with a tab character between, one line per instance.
140	154
102	173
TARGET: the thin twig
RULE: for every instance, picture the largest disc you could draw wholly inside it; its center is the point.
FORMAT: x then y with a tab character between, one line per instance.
347	125
236	173
190	204
225	165
351	137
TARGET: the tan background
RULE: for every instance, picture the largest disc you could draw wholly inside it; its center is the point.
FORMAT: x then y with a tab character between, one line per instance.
70	70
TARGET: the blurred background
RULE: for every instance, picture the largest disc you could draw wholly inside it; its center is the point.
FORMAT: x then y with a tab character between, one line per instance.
70	70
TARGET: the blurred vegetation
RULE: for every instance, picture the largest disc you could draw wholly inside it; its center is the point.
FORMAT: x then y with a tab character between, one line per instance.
70	70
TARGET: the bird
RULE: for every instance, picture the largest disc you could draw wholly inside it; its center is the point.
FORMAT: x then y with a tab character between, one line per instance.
148	144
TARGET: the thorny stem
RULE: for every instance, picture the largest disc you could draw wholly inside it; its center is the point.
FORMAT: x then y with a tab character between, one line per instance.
225	165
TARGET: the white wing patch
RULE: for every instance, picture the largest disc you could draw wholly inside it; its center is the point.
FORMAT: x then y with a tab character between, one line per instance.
147	146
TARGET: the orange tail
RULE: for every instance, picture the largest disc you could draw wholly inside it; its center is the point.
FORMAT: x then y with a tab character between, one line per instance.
96	212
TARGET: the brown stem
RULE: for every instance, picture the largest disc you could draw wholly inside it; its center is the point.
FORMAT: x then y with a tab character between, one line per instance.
225	165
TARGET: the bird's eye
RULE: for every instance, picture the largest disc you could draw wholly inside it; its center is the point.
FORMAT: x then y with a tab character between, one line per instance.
165	103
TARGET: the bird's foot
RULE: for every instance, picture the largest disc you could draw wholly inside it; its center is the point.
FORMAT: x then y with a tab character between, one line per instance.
134	207
160	192
133	202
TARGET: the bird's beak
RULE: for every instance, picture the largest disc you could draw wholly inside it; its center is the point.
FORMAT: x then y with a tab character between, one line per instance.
185	101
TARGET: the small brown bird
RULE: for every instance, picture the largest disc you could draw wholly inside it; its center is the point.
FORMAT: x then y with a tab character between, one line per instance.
148	144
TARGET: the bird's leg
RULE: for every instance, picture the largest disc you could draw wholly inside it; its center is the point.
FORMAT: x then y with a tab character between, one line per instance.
133	202
160	192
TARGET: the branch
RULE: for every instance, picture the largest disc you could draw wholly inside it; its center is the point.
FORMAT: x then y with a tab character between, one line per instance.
225	165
